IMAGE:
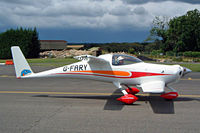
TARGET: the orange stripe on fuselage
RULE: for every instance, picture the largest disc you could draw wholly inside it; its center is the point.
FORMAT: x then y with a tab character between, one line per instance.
112	73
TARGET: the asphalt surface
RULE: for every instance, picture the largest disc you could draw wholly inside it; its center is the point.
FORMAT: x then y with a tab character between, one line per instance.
52	105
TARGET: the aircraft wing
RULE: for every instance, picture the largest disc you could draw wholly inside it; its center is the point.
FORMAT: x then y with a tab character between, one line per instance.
153	87
91	59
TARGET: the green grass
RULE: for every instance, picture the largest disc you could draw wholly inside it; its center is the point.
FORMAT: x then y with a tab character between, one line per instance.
57	62
193	67
61	62
49	61
2	61
52	60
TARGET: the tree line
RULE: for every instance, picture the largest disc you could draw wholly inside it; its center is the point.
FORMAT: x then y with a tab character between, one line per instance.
27	39
175	36
179	34
117	47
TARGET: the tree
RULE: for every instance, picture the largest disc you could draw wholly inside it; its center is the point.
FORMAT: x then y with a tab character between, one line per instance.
158	33
34	47
178	34
27	39
184	32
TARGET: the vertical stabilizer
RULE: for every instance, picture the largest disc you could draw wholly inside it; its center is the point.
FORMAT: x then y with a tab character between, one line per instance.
22	67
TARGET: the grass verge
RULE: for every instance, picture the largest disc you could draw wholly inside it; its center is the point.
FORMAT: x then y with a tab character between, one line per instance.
52	62
193	67
61	62
49	61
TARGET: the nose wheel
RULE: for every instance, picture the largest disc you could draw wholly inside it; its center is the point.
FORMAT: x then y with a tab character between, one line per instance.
170	95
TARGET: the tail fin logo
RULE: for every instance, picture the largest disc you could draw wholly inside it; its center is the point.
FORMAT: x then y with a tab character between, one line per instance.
25	72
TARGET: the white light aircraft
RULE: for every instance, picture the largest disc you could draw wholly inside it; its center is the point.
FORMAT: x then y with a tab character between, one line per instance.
121	70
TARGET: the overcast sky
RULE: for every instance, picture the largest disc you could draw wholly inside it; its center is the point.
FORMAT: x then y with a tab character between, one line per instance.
90	20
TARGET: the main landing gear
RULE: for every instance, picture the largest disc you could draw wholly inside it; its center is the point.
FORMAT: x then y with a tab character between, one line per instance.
128	98
129	94
170	95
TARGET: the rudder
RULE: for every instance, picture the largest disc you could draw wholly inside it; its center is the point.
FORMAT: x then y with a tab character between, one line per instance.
22	67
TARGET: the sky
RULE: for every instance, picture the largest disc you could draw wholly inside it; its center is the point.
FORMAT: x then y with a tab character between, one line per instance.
90	21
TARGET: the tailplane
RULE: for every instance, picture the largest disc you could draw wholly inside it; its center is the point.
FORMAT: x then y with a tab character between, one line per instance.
22	67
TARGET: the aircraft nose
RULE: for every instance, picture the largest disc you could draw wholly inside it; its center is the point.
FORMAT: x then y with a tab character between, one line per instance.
182	71
186	70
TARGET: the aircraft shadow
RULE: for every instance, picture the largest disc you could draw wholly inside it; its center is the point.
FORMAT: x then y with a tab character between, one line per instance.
111	103
162	106
158	104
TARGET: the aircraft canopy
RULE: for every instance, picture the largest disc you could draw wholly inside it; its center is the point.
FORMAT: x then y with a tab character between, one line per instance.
120	59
